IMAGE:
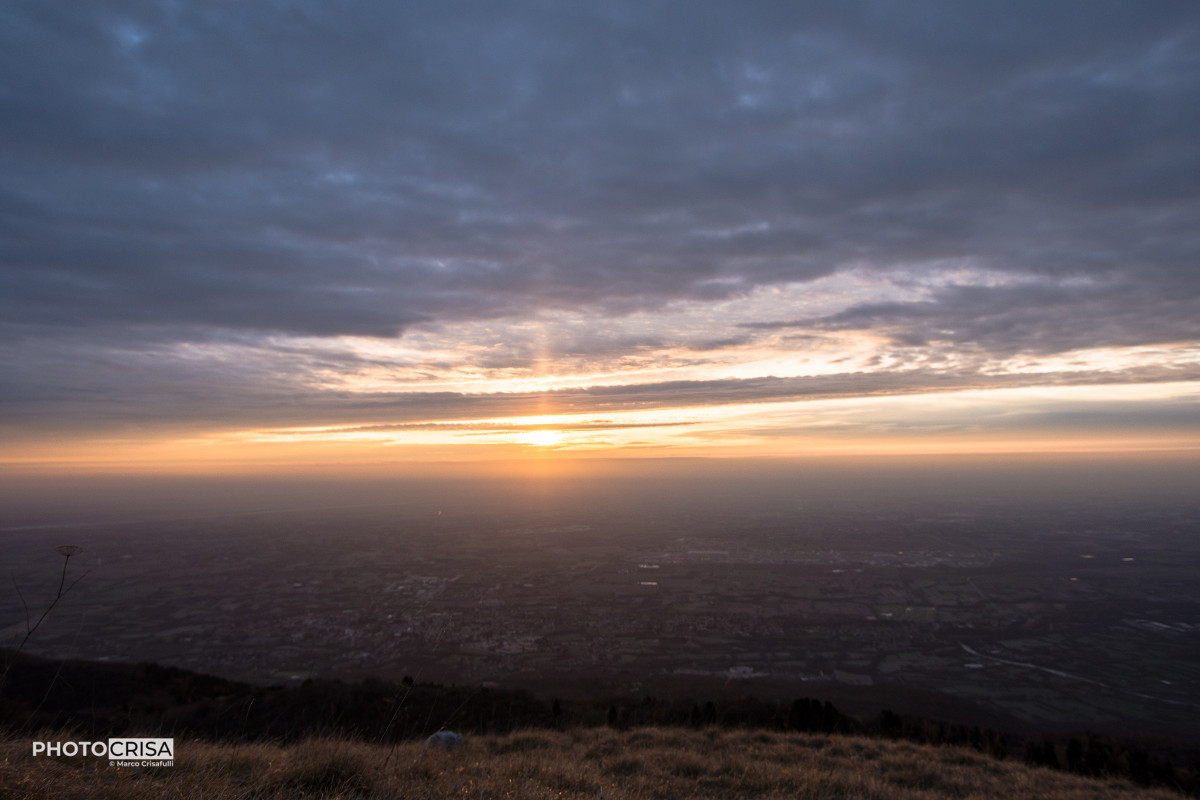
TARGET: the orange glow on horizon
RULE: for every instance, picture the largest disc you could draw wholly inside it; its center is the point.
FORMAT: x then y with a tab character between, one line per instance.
996	421
171	456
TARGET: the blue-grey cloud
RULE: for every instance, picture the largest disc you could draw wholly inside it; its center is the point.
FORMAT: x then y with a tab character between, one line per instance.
178	172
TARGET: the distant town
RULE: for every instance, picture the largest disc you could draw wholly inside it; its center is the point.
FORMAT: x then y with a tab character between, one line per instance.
1058	619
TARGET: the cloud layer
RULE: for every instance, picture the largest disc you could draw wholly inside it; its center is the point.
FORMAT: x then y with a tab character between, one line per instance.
214	209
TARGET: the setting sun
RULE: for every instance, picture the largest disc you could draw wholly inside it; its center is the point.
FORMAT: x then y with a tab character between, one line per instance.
541	438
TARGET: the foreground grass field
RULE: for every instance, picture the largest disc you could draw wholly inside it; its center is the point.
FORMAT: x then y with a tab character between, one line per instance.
642	764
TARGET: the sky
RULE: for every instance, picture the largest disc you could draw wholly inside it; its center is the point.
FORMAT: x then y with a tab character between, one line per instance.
376	232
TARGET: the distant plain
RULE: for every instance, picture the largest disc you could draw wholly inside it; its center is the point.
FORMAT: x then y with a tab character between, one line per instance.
1055	595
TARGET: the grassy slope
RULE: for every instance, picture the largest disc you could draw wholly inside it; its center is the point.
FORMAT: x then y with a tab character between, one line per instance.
646	764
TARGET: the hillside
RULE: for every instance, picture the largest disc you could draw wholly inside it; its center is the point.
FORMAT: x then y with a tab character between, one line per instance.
256	732
642	764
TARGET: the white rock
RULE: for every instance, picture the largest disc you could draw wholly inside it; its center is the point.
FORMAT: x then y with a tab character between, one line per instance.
447	740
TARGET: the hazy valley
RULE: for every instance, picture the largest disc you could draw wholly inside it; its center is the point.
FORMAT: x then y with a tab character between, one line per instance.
1073	612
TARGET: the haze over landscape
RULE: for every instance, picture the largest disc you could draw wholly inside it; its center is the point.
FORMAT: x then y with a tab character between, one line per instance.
814	347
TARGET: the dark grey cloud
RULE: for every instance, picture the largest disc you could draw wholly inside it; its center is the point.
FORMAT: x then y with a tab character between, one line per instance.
178	172
484	428
1034	319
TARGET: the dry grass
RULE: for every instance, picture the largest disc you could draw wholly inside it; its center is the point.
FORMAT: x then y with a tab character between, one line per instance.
643	764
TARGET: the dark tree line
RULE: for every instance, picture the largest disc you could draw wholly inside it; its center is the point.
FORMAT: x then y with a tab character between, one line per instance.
1106	756
119	699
